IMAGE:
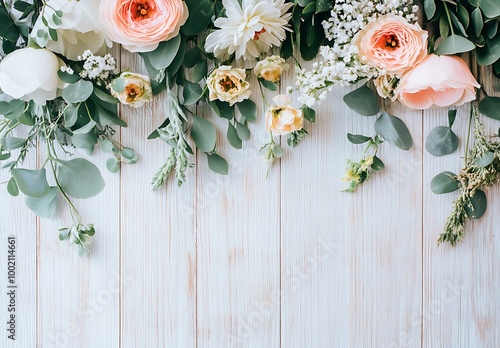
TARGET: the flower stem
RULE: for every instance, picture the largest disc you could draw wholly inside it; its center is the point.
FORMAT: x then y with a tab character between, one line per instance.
469	126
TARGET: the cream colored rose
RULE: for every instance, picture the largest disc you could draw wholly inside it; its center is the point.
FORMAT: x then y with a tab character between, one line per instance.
271	68
386	86
80	29
132	89
391	44
228	84
31	74
282	118
438	81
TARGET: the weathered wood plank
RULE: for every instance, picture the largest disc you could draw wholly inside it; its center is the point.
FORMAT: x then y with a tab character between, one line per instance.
238	229
158	246
461	302
351	263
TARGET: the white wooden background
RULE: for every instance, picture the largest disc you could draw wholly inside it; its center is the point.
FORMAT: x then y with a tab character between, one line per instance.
241	261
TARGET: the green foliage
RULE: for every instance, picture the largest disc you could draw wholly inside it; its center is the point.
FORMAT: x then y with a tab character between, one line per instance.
358	138
164	54
363	100
32	183
490	107
79	178
45	206
444	182
477	205
200	16
441	141
217	164
393	129
203	134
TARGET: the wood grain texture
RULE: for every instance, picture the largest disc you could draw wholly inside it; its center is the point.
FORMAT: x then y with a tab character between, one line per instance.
351	262
18	221
238	229
158	248
461	302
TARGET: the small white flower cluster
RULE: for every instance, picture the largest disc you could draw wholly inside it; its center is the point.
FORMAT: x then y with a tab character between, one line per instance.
98	68
340	65
67	69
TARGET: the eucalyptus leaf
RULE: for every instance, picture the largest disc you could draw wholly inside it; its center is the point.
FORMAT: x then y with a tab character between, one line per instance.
490	107
78	92
200	16
429	8
233	137
79	178
31	182
164	54
441	141
218	164
486	159
452	115
490	53
491	8
203	134
309	114
113	165
268	84
45	206
477	21
105	97
67	77
454	44
248	109
12	143
363	100
85	141
377	164
477	205
12	188
8	30
357	138
192	92
243	131
393	129
444	182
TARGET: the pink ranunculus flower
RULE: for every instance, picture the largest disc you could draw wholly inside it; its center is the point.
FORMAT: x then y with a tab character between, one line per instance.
438	81
391	44
140	25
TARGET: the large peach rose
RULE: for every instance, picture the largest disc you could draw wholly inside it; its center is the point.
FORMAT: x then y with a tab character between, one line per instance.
391	44
140	25
438	81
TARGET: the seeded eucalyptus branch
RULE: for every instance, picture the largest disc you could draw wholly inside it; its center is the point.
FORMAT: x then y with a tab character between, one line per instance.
481	169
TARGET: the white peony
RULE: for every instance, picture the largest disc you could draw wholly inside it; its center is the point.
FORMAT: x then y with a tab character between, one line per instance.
249	29
31	74
80	28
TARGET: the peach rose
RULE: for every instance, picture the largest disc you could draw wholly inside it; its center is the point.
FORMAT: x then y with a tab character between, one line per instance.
282	118
391	44
140	25
438	81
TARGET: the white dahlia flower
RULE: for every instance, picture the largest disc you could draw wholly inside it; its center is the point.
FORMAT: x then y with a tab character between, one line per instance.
249	29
